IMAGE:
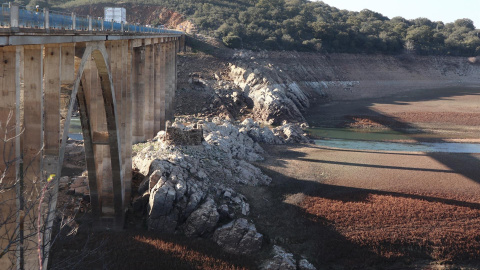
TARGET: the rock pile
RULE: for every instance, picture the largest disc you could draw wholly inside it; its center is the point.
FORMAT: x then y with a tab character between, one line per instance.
190	189
283	260
239	237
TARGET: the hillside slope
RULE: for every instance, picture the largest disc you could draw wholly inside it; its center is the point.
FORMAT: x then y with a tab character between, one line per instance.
304	25
282	86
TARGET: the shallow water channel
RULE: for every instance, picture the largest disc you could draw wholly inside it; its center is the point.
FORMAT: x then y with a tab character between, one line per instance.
387	140
75	129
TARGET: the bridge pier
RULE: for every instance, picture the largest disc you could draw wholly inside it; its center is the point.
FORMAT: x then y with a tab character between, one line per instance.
124	88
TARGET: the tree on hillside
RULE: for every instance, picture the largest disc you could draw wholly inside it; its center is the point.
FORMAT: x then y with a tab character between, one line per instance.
299	24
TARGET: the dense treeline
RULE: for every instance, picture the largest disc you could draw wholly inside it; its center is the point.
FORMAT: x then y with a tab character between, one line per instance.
316	26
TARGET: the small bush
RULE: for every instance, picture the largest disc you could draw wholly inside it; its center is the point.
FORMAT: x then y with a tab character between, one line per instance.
232	41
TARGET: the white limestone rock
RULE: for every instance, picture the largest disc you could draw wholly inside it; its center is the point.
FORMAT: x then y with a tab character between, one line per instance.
281	260
203	220
239	237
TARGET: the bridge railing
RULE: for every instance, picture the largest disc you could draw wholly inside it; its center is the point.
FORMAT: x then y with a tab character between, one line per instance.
17	18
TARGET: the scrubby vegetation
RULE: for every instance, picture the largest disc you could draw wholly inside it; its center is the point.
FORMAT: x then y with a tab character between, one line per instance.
403	225
142	250
314	26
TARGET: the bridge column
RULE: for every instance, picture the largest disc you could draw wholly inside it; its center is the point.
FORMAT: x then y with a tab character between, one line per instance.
138	92
32	144
118	66
170	90
168	79
52	82
175	74
127	110
9	128
159	90
161	99
149	89
90	111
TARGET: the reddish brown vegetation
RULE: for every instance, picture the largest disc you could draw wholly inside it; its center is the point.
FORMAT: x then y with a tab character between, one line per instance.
143	250
395	227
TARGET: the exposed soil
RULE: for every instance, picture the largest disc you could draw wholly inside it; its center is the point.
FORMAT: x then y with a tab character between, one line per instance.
446	110
144	250
359	209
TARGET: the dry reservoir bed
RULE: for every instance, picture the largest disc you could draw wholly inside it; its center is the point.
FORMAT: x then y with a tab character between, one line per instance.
358	208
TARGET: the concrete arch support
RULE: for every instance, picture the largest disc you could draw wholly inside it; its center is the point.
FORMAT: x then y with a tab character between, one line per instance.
84	88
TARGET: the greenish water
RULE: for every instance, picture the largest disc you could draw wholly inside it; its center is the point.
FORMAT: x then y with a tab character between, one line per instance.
75	129
401	147
368	134
383	140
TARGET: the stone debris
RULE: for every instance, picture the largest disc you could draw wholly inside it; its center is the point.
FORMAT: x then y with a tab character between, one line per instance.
78	187
188	186
182	136
239	237
303	264
190	189
283	260
291	133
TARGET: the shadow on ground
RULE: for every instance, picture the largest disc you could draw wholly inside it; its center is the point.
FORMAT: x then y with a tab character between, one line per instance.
339	226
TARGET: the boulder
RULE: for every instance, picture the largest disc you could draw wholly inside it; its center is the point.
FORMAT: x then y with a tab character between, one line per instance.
303	264
202	220
239	237
291	133
281	260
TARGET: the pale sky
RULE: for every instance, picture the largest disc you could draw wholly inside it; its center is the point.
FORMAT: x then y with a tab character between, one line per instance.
435	10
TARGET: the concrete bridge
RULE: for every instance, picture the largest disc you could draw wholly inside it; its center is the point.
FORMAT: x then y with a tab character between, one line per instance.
123	79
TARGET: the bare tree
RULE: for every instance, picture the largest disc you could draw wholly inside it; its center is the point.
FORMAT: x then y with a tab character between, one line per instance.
24	193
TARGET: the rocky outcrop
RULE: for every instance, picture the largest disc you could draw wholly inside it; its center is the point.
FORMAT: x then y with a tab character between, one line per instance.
239	237
283	260
188	186
274	101
173	197
203	220
291	133
259	134
283	85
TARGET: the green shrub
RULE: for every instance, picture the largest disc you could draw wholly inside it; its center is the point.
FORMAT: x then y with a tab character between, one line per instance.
232	41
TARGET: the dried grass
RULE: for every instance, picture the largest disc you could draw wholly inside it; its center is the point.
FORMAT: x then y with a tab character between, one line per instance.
396	227
146	250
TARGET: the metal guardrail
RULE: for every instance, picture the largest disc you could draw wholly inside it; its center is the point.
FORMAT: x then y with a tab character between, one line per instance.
18	17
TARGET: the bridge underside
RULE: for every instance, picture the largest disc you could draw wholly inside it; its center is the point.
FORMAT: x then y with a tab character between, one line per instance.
124	90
